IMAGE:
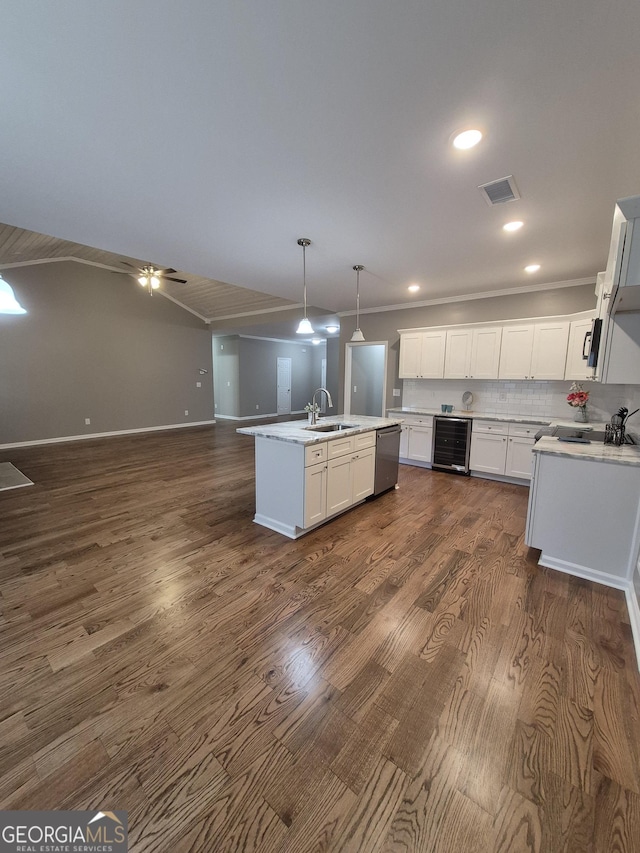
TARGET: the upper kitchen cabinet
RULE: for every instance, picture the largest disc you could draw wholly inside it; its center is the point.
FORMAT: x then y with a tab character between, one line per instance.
622	276
473	353
422	355
577	366
534	351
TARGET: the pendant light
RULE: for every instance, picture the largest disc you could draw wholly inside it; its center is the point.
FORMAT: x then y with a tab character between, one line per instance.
357	335
8	302
305	327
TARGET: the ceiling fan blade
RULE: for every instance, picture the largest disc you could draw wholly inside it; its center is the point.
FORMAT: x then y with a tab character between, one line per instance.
179	280
168	270
126	263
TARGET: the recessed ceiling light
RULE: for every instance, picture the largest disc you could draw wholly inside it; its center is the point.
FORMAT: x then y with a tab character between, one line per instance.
532	268
466	139
414	288
332	329
512	226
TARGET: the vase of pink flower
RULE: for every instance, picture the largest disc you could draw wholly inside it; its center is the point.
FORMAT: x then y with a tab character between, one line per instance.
578	399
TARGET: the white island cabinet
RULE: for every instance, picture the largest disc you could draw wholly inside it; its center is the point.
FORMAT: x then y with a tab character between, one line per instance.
304	478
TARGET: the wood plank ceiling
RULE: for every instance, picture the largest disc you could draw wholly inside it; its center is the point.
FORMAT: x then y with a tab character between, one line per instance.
210	299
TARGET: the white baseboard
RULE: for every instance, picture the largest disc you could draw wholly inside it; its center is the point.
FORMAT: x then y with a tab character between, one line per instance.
501	478
584	572
606	580
634	618
255	417
63	438
292	532
404	461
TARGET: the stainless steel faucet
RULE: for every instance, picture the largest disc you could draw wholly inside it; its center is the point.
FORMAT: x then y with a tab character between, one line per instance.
314	414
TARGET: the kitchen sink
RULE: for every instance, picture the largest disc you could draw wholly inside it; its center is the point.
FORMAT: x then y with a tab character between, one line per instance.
331	427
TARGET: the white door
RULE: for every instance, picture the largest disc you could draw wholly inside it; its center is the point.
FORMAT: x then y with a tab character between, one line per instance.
363	466
283	394
577	367
420	443
315	494
339	484
485	353
549	350
515	353
410	356
458	354
432	358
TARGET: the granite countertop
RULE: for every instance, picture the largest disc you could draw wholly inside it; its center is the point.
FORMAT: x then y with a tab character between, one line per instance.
296	432
628	454
485	416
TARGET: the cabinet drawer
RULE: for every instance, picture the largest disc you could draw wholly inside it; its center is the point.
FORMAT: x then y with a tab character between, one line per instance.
364	440
315	453
488	427
340	446
524	430
419	420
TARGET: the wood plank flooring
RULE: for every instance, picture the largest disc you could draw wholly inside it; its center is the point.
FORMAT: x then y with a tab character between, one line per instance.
405	678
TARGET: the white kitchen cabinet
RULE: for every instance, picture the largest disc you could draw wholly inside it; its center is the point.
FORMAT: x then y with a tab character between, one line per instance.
488	452
298	487
519	457
534	351
515	354
422	355
457	361
549	355
315	494
622	276
339	492
576	367
473	353
485	353
350	479
416	440
502	449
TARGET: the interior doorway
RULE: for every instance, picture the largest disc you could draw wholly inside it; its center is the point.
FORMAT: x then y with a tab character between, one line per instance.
283	391
365	378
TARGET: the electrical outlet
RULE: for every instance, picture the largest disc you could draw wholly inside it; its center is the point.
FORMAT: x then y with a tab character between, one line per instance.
355	389
221	346
502	397
198	384
186	412
228	385
257	406
215	405
87	421
396	392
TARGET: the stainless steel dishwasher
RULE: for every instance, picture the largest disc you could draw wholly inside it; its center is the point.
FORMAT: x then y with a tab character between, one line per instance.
387	453
451	444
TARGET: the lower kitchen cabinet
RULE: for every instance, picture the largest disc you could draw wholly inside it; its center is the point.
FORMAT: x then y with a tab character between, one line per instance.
315	494
299	487
502	449
416	440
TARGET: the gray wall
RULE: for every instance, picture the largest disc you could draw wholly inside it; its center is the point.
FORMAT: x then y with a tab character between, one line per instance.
253	367
367	375
384	325
226	375
95	345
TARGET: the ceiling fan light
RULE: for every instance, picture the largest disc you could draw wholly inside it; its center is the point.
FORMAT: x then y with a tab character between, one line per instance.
142	280
155	282
357	336
304	327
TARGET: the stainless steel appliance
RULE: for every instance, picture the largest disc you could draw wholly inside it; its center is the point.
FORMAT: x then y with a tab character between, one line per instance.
387	453
451	444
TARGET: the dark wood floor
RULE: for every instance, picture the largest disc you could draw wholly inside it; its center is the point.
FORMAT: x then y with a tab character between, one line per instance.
403	679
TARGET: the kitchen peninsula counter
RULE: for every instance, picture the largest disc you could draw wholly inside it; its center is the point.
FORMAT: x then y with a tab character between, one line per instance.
305	477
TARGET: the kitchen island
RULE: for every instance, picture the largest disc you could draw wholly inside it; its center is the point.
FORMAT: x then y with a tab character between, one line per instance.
584	513
307	474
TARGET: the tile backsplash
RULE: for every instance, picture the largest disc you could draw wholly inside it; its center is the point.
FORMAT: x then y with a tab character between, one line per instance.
545	399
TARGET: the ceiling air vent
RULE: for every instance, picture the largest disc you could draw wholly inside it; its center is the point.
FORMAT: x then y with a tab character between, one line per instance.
500	191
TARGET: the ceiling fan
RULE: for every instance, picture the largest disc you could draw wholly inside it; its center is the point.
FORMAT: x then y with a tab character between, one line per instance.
150	277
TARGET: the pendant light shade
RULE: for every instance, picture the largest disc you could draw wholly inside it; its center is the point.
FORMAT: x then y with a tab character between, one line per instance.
357	335
304	327
8	302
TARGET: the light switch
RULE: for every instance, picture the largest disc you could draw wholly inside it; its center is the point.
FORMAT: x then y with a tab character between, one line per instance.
198	384
355	389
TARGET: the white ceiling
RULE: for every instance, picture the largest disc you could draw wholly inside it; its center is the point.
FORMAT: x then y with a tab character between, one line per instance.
209	136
